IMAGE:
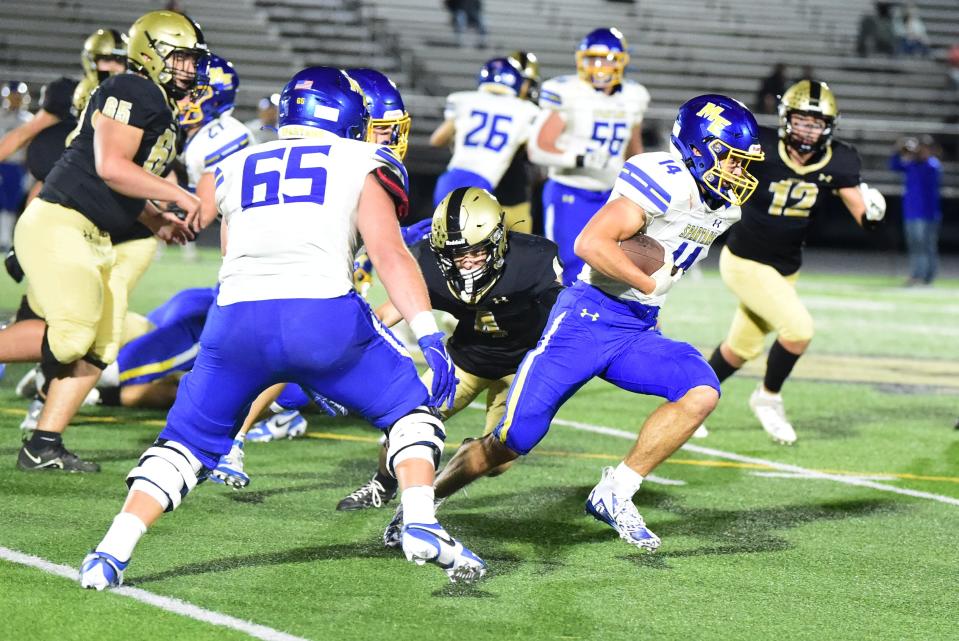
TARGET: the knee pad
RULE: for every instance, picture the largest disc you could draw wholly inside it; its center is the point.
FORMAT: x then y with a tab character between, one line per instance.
167	471
419	434
799	329
69	341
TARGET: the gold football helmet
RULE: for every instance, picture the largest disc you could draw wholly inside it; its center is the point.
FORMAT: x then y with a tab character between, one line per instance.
158	45
102	43
529	63
468	222
808	98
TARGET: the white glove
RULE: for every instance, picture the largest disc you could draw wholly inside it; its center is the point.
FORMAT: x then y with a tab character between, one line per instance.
664	276
596	158
875	203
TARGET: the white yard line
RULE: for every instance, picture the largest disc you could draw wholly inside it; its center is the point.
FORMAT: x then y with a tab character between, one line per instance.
169	604
782	467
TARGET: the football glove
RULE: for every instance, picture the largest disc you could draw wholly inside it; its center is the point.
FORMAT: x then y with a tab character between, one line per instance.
875	204
417	231
666	276
594	159
362	274
444	372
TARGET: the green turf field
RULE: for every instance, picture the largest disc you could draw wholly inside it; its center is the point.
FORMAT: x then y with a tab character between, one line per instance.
818	541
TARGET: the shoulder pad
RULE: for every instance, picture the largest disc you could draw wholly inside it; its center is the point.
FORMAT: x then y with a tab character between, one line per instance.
653	180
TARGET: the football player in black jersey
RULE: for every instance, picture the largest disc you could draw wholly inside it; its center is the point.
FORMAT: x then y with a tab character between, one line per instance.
500	287
99	187
760	263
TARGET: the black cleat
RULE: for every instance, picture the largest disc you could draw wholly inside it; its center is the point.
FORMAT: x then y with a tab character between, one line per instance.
53	457
373	494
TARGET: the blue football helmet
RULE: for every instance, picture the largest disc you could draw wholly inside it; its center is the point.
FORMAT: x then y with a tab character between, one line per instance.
501	75
710	130
322	98
385	104
602	57
215	91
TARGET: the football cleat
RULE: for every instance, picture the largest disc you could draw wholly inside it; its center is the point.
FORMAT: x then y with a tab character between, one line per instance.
701	431
429	543
100	570
373	494
229	470
393	534
52	457
29	422
620	514
771	413
286	424
30	384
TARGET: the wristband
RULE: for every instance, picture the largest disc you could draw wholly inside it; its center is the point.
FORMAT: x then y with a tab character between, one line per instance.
423	324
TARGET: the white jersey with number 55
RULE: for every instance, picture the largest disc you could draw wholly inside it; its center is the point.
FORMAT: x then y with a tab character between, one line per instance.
676	216
490	128
290	208
593	119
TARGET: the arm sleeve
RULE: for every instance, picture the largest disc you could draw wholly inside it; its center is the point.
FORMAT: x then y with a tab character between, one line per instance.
391	175
848	171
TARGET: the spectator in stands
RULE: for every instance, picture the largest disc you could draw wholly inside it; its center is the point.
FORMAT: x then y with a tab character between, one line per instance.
263	126
464	14
771	87
915	38
877	31
921	212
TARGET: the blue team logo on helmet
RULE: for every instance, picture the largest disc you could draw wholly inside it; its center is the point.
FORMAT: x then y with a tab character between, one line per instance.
501	75
601	57
717	138
215	91
322	98
389	120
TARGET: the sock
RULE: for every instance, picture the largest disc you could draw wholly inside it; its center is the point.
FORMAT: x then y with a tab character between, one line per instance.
110	376
41	439
778	366
721	366
122	536
388	482
239	440
418	504
626	481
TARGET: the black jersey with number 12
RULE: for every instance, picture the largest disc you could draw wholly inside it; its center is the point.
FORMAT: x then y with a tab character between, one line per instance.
776	219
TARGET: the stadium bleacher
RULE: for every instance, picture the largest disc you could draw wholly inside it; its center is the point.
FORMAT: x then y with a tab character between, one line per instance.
678	49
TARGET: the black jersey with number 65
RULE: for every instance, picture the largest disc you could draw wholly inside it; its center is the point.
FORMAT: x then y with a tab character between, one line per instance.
130	99
776	219
492	336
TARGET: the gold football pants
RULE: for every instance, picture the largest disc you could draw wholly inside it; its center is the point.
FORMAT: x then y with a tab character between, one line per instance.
768	302
69	262
469	388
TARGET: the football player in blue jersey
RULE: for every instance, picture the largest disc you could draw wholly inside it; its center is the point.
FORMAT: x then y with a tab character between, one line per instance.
590	122
293	209
605	324
486	127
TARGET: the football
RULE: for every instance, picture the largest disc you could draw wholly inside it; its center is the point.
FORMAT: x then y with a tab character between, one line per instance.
645	252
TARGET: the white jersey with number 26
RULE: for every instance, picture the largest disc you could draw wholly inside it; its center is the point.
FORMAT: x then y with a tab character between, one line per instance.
676	216
290	207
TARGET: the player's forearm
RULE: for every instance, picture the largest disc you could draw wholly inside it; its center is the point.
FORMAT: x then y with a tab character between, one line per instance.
403	282
542	148
19	137
605	256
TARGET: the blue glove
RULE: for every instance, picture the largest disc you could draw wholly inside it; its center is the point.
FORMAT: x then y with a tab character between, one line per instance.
444	372
328	405
417	231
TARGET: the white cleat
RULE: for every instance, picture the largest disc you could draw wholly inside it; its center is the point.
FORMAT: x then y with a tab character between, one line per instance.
429	543
770	412
100	570
701	431
31	382
229	470
620	514
286	424
29	422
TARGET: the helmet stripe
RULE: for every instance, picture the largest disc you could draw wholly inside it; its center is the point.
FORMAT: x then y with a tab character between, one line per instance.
454	227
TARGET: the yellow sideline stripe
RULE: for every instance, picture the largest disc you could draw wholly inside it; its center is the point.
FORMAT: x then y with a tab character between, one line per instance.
331	436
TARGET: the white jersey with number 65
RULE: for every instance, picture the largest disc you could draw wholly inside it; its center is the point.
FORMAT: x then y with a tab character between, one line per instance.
290	208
